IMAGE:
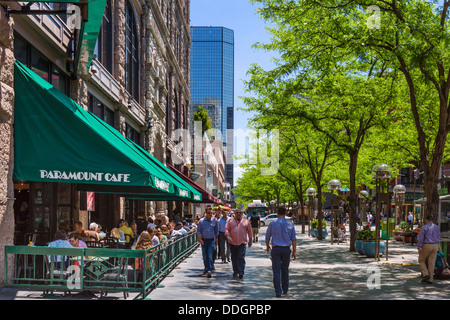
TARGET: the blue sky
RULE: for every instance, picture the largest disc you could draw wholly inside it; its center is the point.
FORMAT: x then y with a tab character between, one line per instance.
240	16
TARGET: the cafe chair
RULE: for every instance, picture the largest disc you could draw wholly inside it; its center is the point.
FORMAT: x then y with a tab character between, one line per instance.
56	271
128	241
117	276
94	244
110	242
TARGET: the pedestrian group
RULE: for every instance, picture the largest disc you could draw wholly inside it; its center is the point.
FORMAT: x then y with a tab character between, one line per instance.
232	236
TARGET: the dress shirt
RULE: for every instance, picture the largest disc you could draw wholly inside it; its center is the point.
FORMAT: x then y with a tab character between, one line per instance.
208	229
281	231
237	231
222	224
60	244
429	233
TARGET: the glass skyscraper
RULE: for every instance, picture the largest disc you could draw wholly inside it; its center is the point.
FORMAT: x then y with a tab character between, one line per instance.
212	80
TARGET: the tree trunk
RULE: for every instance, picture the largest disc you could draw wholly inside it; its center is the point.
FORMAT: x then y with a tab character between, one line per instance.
352	199
319	212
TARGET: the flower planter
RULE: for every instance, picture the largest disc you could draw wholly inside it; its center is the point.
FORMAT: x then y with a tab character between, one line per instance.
358	245
407	237
368	247
398	235
315	233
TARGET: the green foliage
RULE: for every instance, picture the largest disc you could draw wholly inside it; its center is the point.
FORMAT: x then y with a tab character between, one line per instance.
202	115
315	224
405	226
365	235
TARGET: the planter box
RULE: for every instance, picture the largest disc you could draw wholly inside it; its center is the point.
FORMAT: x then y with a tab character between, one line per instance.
407	237
368	247
398	235
315	233
358	245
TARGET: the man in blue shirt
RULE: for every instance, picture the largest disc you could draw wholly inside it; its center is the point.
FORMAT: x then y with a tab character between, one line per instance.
428	246
282	233
207	234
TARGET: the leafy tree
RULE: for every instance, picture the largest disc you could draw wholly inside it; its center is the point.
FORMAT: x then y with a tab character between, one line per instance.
411	36
202	115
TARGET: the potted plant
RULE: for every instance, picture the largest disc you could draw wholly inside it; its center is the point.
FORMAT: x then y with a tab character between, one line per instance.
369	244
398	233
407	231
360	238
314	228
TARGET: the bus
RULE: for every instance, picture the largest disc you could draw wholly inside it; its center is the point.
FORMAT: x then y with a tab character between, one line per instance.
257	207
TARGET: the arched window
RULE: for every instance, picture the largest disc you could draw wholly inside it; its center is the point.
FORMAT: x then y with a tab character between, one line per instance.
131	53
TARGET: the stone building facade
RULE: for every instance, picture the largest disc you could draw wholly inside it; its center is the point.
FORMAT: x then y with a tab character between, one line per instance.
138	83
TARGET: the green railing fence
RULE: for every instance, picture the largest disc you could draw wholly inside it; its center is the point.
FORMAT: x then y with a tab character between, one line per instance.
94	269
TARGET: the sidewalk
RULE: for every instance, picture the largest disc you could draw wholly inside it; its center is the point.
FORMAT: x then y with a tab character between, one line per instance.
321	272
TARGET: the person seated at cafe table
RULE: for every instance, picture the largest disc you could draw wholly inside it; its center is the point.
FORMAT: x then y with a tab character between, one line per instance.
118	234
76	242
60	240
92	234
124	227
78	230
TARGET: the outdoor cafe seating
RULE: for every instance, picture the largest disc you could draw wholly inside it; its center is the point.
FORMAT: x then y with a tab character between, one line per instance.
101	267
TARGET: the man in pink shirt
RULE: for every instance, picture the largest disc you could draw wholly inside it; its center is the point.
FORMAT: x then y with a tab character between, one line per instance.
237	230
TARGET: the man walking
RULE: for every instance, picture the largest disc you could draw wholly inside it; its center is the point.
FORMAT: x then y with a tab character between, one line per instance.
428	245
254	221
282	234
207	234
236	231
224	246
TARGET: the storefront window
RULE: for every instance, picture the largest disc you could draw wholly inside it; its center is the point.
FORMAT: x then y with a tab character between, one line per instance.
41	207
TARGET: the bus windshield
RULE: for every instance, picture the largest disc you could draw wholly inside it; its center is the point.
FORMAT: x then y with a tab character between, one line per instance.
261	210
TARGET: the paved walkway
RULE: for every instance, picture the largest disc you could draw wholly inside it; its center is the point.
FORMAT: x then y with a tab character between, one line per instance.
321	271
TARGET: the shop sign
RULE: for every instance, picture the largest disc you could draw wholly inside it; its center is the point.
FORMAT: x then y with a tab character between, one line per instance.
162	185
184	193
84	176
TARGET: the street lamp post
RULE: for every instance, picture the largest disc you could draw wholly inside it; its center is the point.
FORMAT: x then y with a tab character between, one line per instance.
310	193
399	190
363	196
332	186
381	173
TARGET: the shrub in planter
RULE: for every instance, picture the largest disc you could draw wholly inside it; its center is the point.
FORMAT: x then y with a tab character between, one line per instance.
368	243
362	236
405	226
314	228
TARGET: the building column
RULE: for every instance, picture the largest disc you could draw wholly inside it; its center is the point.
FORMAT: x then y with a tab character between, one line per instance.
6	136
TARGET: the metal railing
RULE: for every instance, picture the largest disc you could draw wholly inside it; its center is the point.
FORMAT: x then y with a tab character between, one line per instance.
94	269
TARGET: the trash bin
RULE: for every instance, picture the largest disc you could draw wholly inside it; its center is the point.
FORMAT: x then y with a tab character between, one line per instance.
384	228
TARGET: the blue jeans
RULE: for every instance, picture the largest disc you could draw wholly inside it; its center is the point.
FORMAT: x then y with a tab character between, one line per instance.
280	267
238	258
207	252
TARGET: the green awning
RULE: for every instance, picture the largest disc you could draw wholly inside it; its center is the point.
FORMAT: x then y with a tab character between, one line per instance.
183	189
88	36
56	140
